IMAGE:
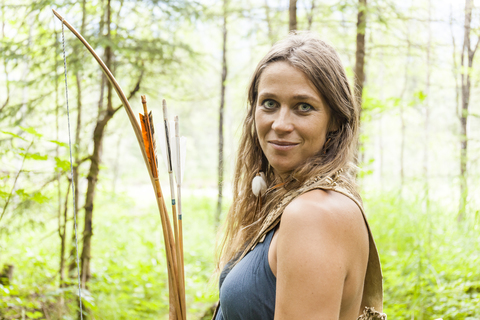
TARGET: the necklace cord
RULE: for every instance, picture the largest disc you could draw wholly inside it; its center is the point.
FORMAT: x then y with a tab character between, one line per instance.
71	170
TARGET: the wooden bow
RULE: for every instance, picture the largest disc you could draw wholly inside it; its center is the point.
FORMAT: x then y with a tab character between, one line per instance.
177	303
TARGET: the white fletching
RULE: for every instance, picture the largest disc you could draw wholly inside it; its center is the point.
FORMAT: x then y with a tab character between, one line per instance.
259	185
162	142
178	152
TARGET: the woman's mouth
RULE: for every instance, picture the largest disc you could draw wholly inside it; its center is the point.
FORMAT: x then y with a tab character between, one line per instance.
282	145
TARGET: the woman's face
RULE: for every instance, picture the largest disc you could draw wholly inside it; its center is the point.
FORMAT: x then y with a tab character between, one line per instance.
291	117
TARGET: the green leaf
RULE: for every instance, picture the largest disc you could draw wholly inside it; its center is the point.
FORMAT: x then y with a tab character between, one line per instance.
61	144
420	96
34	156
13	135
31	130
62	164
39	197
22	194
34	315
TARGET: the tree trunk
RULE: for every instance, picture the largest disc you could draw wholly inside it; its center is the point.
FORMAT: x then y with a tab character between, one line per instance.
360	51
76	153
61	227
426	175
269	22
466	62
220	118
7	81
292	22
310	15
403	127
62	233
360	60
95	160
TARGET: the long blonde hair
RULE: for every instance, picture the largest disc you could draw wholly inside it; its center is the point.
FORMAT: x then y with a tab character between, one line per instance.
322	65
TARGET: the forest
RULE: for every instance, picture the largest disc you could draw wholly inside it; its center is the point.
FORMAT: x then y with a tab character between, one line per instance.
78	215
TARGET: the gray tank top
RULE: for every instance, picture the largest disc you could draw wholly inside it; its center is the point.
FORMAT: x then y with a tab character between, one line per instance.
247	291
254	296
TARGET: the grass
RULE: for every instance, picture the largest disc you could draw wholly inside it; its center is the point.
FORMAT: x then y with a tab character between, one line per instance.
430	264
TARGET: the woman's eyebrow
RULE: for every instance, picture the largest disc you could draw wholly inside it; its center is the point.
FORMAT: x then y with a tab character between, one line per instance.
304	97
267	95
295	97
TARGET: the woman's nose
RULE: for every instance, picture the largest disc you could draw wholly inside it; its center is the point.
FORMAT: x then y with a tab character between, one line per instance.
283	122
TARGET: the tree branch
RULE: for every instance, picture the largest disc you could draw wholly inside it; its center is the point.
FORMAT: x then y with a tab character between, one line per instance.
15	182
133	92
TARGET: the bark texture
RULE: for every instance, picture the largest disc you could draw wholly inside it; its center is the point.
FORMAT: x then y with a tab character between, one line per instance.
466	63
220	117
292	21
360	51
360	62
76	153
95	159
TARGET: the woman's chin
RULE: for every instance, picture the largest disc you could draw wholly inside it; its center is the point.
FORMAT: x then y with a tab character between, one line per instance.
283	171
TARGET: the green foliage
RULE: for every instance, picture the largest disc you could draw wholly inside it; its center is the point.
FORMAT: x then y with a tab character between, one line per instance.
32	131
129	268
13	135
430	265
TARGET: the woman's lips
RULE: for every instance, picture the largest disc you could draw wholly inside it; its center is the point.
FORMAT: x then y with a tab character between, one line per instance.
282	145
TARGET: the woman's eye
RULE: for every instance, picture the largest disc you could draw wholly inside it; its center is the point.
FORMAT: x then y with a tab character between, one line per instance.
305	107
269	104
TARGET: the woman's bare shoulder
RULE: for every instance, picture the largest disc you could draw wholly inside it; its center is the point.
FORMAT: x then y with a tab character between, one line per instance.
332	214
323	206
322	254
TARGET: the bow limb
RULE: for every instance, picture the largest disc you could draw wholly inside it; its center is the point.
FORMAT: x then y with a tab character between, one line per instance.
116	86
167	232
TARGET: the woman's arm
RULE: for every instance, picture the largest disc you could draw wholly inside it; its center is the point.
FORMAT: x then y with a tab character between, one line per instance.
321	258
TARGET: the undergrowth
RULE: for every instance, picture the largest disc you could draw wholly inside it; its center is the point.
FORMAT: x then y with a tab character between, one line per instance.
430	263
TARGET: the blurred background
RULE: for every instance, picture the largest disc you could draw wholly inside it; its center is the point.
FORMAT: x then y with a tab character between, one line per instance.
413	65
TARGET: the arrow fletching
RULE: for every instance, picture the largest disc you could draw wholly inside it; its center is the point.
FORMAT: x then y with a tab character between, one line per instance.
148	138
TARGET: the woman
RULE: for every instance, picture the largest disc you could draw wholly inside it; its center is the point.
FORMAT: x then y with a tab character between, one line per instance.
301	249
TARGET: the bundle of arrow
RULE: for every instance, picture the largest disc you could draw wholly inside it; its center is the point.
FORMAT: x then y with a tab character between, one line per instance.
174	158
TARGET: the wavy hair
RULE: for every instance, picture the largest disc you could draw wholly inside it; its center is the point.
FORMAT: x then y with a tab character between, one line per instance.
323	67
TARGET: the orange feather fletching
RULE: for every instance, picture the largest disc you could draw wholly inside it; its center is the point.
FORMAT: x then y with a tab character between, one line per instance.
147	144
148	138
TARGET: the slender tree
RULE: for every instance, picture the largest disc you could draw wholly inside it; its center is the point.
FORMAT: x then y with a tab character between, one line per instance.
466	63
426	121
5	70
104	117
310	15
360	50
269	22
220	116
76	151
359	77
61	224
292	21
403	126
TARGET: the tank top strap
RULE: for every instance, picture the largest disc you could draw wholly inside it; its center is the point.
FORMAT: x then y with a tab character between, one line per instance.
372	299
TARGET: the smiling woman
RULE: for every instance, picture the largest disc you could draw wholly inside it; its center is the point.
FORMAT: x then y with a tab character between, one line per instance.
291	119
301	249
